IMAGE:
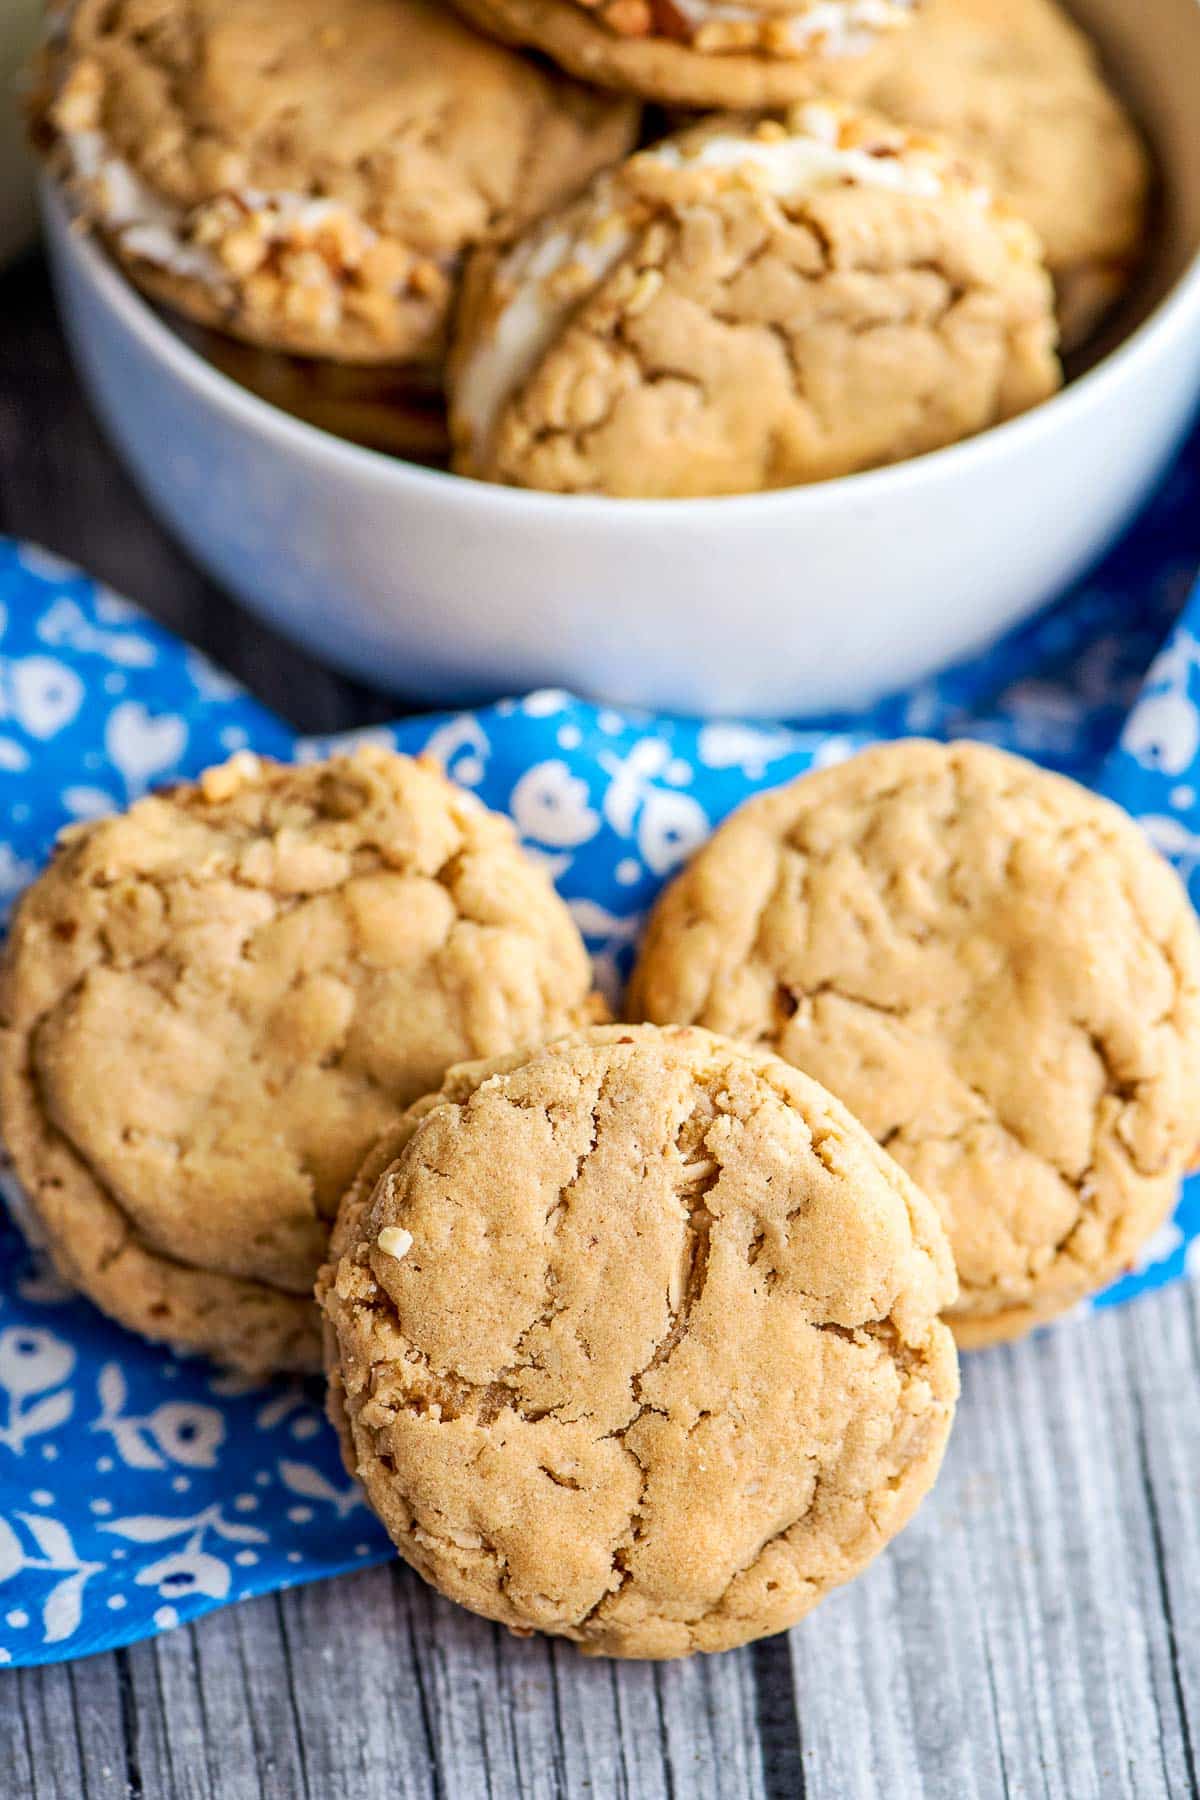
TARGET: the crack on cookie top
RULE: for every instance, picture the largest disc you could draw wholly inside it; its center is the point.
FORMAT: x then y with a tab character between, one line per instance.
260	941
716	281
785	980
391	1371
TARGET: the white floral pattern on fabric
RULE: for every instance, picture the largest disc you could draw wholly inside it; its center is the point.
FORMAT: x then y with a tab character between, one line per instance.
138	1489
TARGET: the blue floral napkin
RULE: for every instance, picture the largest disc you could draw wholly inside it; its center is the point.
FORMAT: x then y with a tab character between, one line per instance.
138	1489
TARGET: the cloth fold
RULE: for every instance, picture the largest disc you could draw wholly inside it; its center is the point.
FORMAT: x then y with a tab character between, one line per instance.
138	1489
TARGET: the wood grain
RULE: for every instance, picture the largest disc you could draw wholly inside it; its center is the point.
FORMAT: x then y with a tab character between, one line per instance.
1036	1632
1033	1633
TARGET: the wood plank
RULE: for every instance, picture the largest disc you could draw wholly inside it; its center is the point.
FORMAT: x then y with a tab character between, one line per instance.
614	1736
144	1724
173	1689
49	1730
889	1697
710	1727
1161	1347
1045	1531
1012	1641
18	1753
95	1709
361	1703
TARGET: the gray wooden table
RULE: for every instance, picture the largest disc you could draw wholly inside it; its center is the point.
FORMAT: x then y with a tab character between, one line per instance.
1036	1631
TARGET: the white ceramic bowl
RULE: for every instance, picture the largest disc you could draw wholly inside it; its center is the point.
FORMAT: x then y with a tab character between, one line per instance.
776	604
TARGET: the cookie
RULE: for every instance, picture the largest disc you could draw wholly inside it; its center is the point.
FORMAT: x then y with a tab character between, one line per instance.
306	174
211	1005
705	53
996	973
636	1341
398	409
1021	89
750	306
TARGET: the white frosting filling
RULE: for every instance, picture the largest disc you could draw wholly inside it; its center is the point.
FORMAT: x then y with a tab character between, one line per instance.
156	230
147	226
847	27
791	168
532	318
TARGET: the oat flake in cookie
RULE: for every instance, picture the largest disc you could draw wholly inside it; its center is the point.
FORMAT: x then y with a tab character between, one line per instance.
210	1007
751	306
705	53
997	974
306	174
636	1341
1019	88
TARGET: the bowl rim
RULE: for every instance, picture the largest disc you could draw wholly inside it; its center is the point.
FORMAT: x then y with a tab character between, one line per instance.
1172	313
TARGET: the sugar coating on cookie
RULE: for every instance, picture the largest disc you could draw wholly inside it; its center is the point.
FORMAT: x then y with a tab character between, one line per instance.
996	973
748	306
1020	88
306	174
660	1362
705	53
211	1005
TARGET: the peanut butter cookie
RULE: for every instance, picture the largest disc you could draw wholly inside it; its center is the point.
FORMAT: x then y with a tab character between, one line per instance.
636	1341
306	174
751	306
995	972
705	53
211	1005
1021	90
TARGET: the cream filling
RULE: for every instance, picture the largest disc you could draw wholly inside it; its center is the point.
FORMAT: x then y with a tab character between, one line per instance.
157	231
791	168
144	225
794	168
846	27
532	317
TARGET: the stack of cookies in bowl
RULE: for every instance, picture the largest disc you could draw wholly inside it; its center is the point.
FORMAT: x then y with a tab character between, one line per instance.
642	1334
644	248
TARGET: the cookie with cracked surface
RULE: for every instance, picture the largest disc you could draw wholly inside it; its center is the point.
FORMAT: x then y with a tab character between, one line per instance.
751	306
636	1341
1022	91
703	54
997	974
306	174
211	1005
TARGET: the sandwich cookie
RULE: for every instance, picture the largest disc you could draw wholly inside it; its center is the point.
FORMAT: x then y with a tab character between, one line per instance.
306	174
750	306
705	53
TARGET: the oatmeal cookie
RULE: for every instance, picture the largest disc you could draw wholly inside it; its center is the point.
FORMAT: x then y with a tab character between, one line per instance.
306	174
750	306
636	1341
997	974
211	1005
